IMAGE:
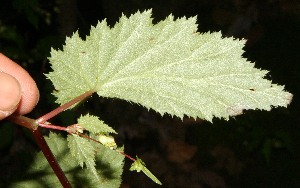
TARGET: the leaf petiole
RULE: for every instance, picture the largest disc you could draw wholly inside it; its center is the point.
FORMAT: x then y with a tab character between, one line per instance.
51	126
63	107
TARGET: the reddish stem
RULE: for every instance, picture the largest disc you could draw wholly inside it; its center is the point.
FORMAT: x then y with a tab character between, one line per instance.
33	126
63	107
128	156
119	151
50	158
24	121
51	126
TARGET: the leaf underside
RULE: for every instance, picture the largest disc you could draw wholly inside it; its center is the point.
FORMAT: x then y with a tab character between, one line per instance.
167	67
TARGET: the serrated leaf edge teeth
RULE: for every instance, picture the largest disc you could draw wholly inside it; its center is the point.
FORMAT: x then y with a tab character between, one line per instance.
189	25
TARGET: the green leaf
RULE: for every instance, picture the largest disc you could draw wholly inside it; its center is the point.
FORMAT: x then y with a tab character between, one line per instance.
94	124
82	150
109	165
139	165
168	67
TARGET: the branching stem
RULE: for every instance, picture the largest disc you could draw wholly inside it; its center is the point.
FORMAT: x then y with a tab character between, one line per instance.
63	107
33	126
23	121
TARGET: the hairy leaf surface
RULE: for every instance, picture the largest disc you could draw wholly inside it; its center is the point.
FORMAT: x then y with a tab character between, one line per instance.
94	124
109	165
82	150
168	67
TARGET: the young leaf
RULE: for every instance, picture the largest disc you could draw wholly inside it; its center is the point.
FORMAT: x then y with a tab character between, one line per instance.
82	150
168	67
109	165
94	125
139	165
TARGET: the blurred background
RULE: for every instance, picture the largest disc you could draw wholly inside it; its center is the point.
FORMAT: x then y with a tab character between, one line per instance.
258	149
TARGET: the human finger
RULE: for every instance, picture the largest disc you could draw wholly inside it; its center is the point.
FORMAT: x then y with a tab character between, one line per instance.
10	94
29	90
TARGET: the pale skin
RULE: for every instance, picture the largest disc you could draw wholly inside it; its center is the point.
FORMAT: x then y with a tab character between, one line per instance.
18	91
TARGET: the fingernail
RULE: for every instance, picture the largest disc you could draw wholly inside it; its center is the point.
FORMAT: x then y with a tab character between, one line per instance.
10	94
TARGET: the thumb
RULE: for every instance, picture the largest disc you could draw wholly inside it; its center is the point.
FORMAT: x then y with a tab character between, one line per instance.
10	94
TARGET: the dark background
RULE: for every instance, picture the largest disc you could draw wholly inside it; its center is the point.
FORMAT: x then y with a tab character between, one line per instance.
257	149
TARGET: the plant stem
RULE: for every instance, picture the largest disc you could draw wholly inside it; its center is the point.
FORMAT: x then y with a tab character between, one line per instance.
23	121
126	155
33	126
119	151
63	107
51	126
50	158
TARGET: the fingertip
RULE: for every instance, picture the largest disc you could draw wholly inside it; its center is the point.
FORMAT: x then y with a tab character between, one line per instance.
10	94
28	88
29	99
